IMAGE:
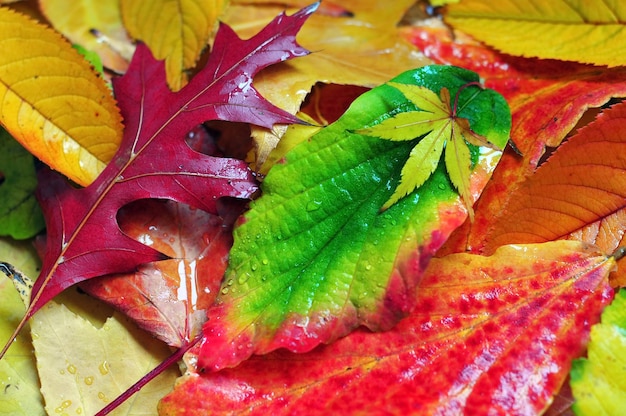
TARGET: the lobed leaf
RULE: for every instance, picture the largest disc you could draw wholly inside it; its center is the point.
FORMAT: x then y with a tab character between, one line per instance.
174	30
53	103
597	381
489	335
314	258
591	32
20	215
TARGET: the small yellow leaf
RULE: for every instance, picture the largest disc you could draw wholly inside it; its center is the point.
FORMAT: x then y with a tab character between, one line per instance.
89	23
83	367
174	30
52	102
592	32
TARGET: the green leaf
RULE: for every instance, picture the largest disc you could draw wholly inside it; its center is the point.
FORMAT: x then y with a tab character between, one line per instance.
19	383
314	257
20	215
598	382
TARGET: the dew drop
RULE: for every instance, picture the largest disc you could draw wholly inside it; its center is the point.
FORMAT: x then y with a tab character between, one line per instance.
103	397
34	335
265	262
441	186
368	267
89	380
243	278
230	282
71	369
313	206
104	368
152	228
254	266
225	291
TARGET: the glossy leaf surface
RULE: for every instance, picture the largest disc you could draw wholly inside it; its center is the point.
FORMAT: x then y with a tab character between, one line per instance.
591	32
53	103
314	258
221	90
485	336
20	215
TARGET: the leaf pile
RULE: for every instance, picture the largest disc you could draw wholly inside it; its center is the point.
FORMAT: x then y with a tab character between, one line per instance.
416	249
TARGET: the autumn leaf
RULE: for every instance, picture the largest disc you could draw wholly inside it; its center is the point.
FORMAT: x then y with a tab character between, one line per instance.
169	298
314	258
96	26
221	90
19	380
547	99
83	366
437	123
176	31
591	32
20	215
581	183
488	335
598	380
54	104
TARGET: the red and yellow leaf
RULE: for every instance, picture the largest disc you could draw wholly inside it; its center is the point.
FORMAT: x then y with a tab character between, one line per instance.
489	334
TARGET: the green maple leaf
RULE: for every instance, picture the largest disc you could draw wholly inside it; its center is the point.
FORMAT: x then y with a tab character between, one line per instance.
437	121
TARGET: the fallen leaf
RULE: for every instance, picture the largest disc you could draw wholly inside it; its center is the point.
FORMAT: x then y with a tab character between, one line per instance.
20	215
314	258
436	121
591	32
488	335
53	103
19	382
547	99
221	90
598	380
82	367
169	298
583	181
174	30
96	26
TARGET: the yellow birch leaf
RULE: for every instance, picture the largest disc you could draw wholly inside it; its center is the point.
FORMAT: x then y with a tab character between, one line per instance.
174	30
83	367
591	32
52	102
78	20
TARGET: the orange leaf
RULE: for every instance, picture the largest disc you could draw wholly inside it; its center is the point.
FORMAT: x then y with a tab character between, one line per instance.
490	334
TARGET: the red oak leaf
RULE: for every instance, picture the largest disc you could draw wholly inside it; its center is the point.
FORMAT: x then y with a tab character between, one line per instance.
154	161
489	335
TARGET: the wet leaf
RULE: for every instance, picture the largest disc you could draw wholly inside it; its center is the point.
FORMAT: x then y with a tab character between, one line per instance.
314	258
174	30
598	380
591	32
54	104
20	215
82	367
489	334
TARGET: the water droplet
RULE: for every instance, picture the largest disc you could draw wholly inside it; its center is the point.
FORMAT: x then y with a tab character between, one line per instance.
441	186
265	262
34	335
62	372
254	266
230	282
71	369
258	236
313	206
243	278
89	381
225	291
152	228
103	397
368	267
104	368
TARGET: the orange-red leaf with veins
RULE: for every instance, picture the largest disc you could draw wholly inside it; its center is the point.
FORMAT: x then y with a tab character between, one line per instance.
546	97
169	298
488	333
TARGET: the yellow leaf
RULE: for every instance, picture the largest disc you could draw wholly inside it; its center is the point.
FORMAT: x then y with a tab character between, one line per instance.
89	23
174	30
592	32
52	102
83	367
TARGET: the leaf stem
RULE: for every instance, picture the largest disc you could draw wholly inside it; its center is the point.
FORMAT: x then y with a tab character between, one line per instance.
175	357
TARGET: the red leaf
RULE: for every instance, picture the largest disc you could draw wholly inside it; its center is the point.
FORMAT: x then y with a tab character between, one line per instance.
169	298
485	338
84	239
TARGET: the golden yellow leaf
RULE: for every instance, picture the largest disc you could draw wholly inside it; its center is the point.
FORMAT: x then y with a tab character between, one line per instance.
95	25
174	30
82	367
52	102
592	31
